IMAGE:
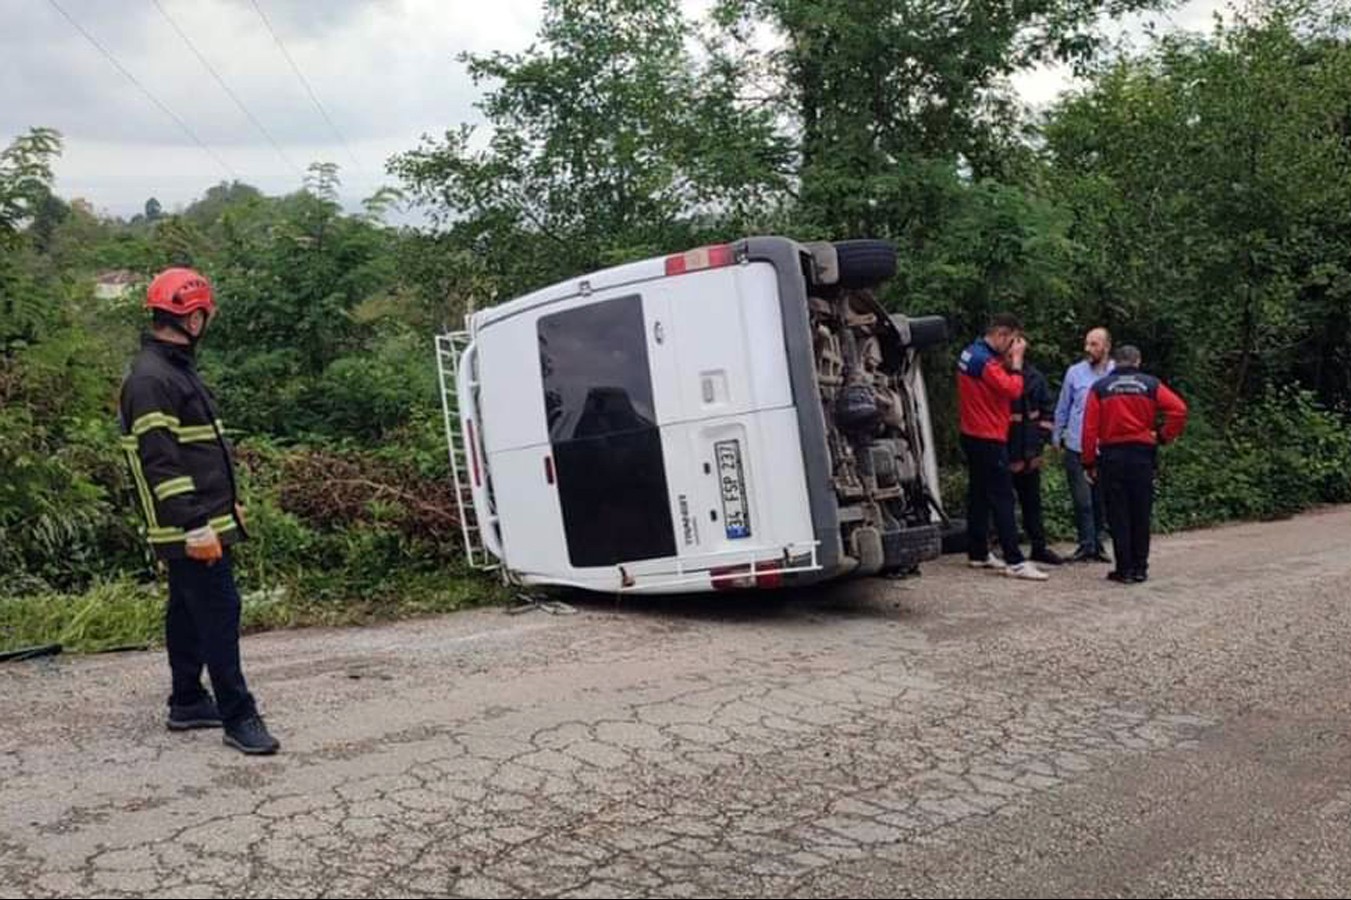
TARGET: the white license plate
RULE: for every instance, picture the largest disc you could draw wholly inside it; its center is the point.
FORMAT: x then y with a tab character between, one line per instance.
732	484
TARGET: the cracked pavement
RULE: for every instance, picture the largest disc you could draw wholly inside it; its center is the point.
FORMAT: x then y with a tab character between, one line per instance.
958	734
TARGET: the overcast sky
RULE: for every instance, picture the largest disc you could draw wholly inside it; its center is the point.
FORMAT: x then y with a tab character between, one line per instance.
384	71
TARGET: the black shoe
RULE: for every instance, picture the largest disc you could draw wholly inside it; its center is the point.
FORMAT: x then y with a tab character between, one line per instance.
1099	555
1139	577
202	714
251	736
1119	578
1048	557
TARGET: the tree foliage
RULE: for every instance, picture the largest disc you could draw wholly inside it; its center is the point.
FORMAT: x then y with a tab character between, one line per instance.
1210	183
605	141
1195	196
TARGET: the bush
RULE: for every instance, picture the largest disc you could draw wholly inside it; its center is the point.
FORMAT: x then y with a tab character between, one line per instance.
63	522
346	533
367	396
1285	454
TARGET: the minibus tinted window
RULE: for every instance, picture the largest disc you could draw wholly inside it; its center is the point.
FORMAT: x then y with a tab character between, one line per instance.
602	425
596	376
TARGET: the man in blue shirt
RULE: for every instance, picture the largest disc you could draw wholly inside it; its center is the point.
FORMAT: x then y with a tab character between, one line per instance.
1069	432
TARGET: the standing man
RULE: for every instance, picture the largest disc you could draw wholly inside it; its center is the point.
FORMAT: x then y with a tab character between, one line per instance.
1121	425
1069	428
1032	421
989	380
184	473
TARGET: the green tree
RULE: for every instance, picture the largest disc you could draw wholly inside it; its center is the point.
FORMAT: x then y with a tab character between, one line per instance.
323	181
25	179
607	141
1210	183
25	192
888	98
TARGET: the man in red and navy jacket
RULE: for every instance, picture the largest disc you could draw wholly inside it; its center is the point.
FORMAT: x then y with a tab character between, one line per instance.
1122	432
989	379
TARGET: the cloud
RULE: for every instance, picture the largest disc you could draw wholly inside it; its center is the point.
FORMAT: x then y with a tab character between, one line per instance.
385	71
1040	87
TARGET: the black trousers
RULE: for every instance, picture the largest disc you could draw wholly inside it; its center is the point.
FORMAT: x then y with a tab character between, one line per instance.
1128	492
1027	488
1027	485
201	629
989	489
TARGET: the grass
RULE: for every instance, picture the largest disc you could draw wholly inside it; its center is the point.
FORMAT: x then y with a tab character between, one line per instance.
108	615
123	614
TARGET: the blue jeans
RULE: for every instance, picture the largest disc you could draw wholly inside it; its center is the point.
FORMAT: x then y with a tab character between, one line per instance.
1088	507
201	629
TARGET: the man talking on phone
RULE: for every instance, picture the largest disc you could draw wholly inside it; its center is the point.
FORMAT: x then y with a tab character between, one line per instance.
989	379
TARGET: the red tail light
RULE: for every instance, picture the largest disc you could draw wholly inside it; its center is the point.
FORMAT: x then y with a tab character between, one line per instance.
473	452
712	257
768	579
549	469
732	578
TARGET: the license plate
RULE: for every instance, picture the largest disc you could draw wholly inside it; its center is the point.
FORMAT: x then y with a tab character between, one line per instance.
732	482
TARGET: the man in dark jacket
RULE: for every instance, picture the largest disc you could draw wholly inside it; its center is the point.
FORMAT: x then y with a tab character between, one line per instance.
1032	422
1123	432
183	471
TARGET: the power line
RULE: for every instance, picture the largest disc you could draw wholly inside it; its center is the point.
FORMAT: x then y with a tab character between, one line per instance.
187	129
303	80
225	87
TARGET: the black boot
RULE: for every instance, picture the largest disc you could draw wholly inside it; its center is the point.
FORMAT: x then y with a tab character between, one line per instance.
1048	556
251	736
202	714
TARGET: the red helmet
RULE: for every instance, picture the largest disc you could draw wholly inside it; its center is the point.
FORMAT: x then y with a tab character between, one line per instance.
180	291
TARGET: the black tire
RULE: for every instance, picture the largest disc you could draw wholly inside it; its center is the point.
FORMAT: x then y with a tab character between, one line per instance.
954	536
928	331
865	263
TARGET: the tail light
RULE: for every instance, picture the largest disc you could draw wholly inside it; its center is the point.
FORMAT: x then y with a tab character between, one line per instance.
767	575
712	257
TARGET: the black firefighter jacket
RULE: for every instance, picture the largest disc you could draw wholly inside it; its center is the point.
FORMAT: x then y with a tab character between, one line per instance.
181	464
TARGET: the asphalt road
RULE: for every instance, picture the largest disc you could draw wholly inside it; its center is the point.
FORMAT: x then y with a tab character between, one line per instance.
958	734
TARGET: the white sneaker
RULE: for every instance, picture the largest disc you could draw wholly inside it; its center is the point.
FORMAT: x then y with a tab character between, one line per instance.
1026	570
989	562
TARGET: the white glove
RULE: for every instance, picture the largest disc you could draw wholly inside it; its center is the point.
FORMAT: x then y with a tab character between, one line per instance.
203	545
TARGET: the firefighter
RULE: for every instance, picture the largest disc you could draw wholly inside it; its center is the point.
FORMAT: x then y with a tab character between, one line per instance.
989	380
183	471
1122	430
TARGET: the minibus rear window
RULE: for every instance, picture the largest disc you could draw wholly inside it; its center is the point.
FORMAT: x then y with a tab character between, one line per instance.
602	426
